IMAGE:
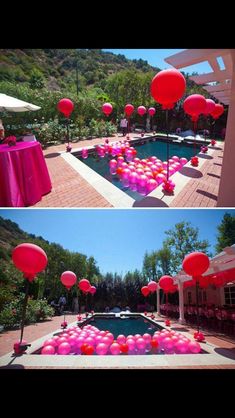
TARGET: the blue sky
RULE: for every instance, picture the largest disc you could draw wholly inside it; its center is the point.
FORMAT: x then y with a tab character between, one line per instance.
156	57
116	238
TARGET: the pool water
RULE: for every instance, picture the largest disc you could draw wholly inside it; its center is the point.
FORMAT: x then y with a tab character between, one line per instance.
125	325
147	149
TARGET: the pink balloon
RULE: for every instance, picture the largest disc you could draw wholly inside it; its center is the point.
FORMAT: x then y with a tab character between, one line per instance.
92	290
121	339
101	349
141	110
152	286
181	347
140	343
84	285
152	111
107	108
131	344
64	348
48	349
51	341
210	106
115	349
194	347
147	337
68	278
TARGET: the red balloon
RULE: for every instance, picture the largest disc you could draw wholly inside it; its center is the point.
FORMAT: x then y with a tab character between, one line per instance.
84	285
145	291
30	259
194	105
68	278
124	348
218	111
152	286
172	289
129	109
141	110
203	282
88	350
166	282
107	108
195	264
210	106
167	87
92	290
151	111
65	106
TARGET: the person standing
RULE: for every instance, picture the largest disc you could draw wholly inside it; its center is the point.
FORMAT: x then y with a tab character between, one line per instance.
62	303
123	125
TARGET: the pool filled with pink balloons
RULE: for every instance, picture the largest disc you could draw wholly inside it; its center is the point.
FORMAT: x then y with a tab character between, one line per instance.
140	168
90	340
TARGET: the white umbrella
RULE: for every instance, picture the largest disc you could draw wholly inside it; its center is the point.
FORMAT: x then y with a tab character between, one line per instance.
15	105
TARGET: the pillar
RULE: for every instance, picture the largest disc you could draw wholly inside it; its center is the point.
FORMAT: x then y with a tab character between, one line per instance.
181	302
226	195
158	301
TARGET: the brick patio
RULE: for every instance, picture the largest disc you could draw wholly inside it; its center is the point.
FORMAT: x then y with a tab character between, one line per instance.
70	189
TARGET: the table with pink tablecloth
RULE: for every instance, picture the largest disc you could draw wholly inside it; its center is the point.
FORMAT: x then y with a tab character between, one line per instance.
24	176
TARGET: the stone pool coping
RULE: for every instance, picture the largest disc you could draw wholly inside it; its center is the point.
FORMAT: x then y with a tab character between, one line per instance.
118	198
29	360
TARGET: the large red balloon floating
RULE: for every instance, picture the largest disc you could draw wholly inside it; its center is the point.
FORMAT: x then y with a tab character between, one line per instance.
92	290
141	110
30	259
66	107
151	111
210	106
68	278
195	264
167	87
166	283
145	291
84	285
218	111
152	286
194	105
107	108
129	109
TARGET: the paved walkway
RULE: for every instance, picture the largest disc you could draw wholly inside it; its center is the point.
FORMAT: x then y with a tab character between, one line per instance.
203	191
70	189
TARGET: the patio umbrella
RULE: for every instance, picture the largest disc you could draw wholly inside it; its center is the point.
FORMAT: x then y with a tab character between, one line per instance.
11	104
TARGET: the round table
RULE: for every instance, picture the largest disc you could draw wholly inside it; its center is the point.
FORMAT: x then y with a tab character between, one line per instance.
24	176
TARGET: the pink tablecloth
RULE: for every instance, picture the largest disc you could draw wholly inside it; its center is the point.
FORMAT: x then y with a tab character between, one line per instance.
24	176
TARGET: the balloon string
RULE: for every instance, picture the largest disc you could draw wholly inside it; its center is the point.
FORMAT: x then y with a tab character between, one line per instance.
197	302
24	310
194	128
167	145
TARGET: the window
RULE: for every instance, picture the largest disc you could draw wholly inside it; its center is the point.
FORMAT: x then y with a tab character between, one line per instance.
229	295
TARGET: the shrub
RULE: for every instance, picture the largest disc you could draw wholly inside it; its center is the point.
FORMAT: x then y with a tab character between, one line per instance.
37	310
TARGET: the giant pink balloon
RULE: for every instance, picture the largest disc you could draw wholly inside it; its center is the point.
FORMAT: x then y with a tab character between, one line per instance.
92	290
194	105
196	263
48	349
167	87
141	110
151	111
65	106
68	278
84	285
152	286
129	109
30	259
210	105
107	108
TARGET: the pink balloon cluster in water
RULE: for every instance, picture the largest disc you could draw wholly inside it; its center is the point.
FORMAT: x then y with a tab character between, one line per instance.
90	339
144	175
118	148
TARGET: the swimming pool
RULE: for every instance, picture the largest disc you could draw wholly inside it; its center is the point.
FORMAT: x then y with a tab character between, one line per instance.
126	325
154	147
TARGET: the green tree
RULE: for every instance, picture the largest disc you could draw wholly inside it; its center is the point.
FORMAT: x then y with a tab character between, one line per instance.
226	235
150	265
164	257
182	240
36	80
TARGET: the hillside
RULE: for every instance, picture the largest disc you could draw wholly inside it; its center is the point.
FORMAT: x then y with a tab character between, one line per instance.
57	68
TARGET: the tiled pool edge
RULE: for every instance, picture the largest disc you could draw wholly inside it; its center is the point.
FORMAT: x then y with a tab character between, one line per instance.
114	362
118	198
